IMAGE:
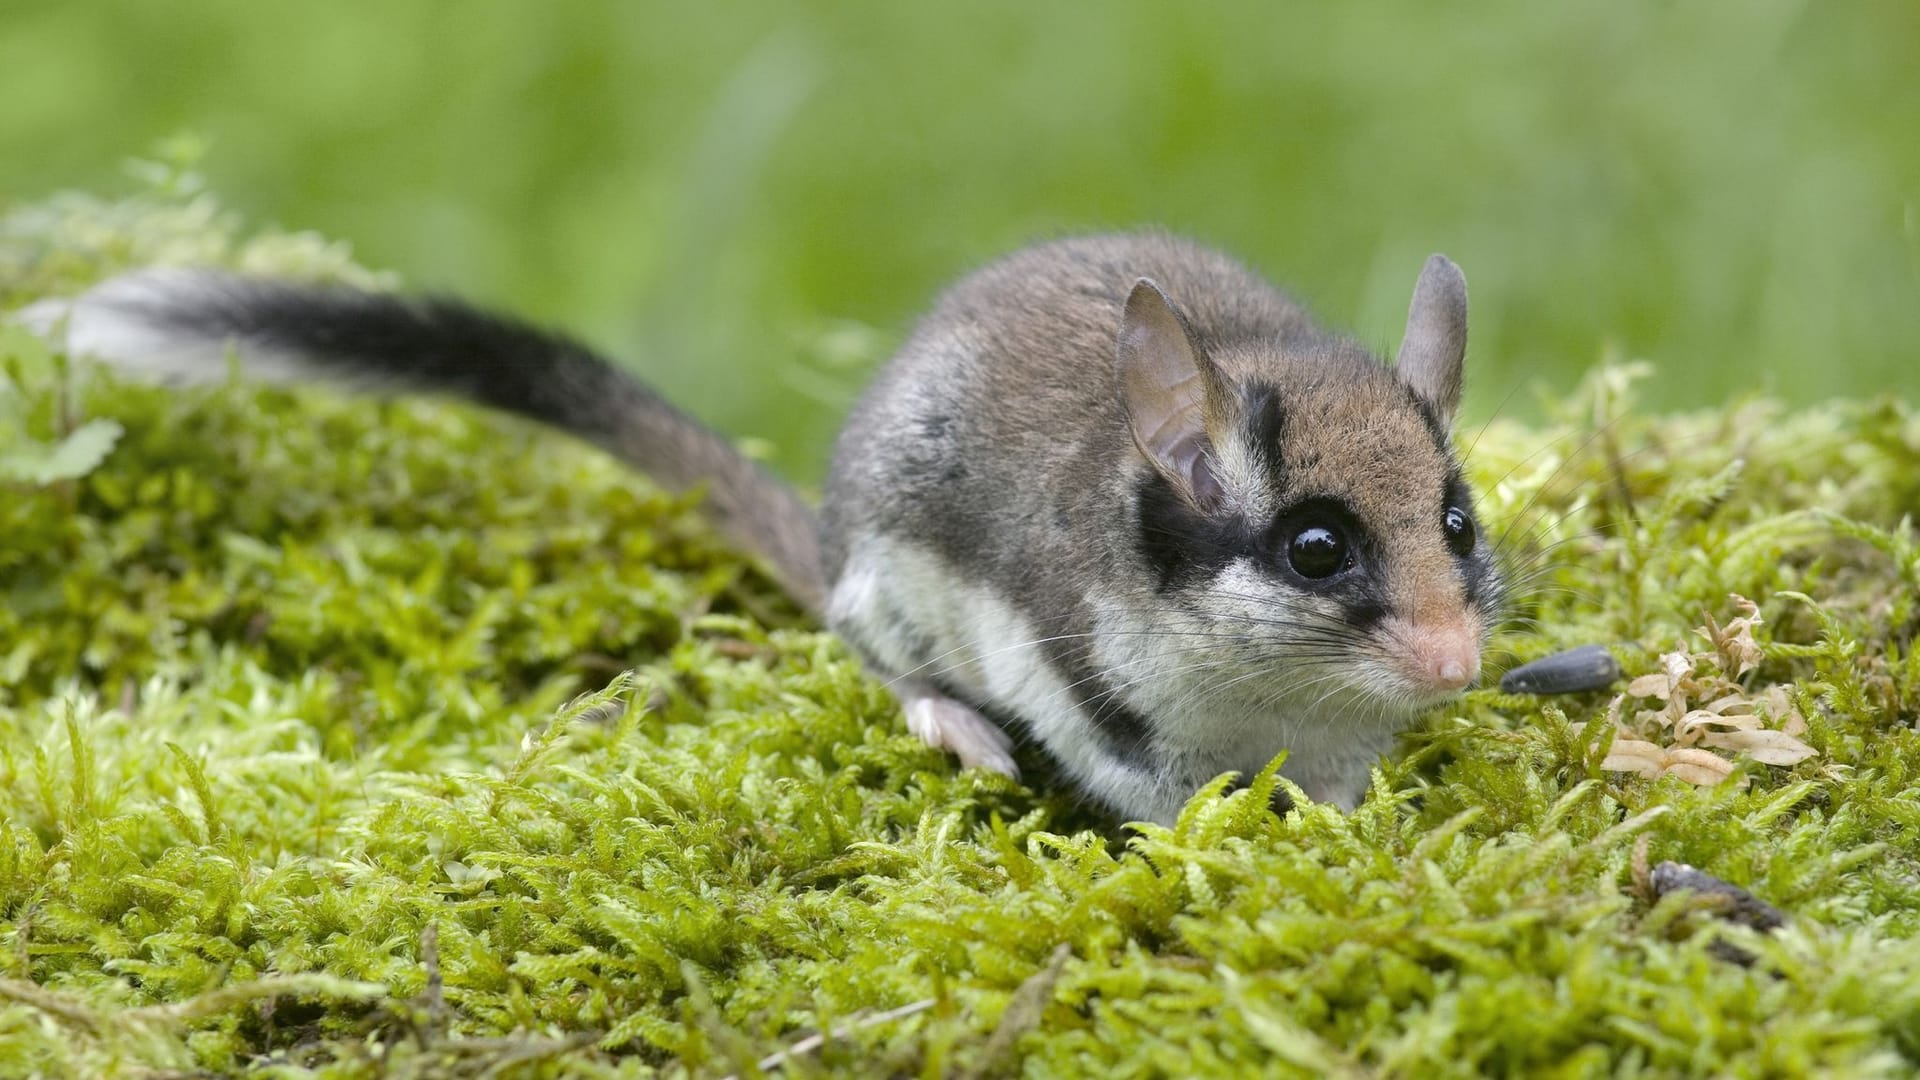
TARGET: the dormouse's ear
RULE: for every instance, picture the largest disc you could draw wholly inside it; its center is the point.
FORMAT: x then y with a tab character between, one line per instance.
1435	346
1174	395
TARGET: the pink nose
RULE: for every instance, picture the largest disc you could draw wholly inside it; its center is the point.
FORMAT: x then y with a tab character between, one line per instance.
1444	657
1453	670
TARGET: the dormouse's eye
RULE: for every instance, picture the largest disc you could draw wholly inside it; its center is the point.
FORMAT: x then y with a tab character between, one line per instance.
1317	552
1459	530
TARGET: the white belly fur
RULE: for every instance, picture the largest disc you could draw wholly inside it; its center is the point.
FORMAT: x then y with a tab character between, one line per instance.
983	650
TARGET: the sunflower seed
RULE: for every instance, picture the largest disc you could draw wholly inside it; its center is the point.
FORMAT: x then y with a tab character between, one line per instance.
1589	667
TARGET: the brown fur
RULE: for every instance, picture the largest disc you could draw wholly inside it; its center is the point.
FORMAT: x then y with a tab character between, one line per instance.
1368	446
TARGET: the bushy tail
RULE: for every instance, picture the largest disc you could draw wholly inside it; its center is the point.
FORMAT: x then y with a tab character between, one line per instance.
181	324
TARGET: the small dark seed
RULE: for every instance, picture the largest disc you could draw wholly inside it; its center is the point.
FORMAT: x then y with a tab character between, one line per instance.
1729	901
1733	903
1589	667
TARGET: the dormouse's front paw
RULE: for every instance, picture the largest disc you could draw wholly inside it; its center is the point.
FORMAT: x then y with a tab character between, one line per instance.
947	724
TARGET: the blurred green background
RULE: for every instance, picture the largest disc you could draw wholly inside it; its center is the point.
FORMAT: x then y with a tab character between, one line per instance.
751	202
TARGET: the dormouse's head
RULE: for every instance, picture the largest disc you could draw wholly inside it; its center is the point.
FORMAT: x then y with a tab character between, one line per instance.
1300	504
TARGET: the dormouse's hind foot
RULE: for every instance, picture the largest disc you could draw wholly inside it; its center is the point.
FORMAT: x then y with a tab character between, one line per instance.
946	724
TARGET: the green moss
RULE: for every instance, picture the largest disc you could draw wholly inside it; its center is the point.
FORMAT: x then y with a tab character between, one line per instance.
285	736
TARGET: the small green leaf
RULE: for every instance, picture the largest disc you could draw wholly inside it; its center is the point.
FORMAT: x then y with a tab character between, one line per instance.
75	456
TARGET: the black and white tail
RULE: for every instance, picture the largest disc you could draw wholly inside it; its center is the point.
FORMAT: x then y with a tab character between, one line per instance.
180	325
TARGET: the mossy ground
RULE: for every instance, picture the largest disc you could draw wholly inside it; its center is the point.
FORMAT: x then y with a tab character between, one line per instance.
291	784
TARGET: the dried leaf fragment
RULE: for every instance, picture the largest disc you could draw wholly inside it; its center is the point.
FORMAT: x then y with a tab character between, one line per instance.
1734	644
1705	716
1652	760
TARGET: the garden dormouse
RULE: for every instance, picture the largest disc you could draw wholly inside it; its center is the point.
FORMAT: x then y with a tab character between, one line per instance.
1116	495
